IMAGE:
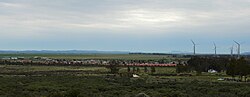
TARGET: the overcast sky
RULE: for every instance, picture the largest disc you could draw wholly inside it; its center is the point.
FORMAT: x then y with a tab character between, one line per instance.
124	25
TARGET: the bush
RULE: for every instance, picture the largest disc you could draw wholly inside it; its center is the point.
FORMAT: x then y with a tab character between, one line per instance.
73	93
56	94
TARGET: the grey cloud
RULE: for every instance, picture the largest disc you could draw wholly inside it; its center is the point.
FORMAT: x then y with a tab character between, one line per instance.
123	16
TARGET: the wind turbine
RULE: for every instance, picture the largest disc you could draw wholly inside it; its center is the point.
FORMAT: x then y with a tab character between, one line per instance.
238	45
215	50
232	50
194	45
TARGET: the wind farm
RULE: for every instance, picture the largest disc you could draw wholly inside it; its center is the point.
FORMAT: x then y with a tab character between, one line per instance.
124	48
122	67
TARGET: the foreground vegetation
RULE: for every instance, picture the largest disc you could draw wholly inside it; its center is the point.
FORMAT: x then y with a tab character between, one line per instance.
77	81
189	79
95	86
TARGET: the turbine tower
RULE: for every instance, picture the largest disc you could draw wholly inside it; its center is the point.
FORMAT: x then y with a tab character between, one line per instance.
232	50
215	50
238	45
194	45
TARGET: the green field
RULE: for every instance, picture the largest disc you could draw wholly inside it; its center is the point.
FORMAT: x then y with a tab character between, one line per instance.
84	81
77	81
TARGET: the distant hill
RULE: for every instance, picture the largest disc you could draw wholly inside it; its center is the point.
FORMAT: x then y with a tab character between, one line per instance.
246	53
63	52
181	52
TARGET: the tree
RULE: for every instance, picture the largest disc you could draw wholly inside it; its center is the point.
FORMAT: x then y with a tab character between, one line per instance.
153	69
231	70
129	69
114	66
138	69
196	64
242	68
182	68
145	69
238	67
134	69
203	64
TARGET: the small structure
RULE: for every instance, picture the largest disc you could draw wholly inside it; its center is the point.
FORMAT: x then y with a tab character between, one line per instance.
221	79
13	58
212	71
135	76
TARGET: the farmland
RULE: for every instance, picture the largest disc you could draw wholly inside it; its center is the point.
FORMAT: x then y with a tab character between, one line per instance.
94	81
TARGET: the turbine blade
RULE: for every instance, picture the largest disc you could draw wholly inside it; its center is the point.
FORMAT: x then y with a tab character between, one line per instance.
236	42
192	42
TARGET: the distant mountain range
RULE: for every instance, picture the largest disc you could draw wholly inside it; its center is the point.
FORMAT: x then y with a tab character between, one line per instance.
246	53
62	52
181	52
87	52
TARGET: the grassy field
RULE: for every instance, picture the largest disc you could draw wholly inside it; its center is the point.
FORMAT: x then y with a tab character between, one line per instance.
80	81
77	81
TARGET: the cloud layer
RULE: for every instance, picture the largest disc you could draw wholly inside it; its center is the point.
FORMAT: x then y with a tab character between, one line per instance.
133	22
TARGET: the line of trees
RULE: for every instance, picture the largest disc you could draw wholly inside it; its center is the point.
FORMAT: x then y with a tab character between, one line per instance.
238	67
114	66
203	64
233	67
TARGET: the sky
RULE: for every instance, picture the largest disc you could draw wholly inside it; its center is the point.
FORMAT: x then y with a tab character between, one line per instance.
162	26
